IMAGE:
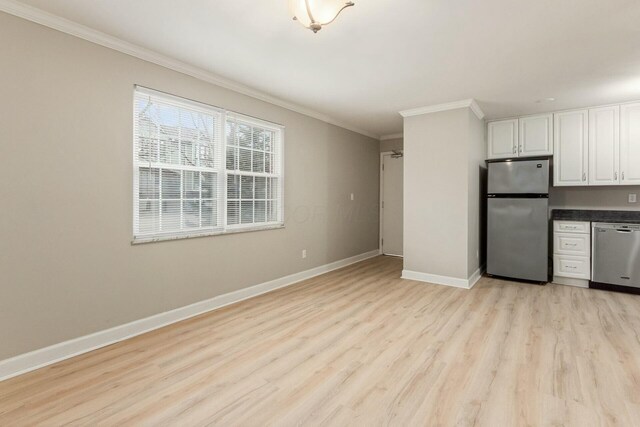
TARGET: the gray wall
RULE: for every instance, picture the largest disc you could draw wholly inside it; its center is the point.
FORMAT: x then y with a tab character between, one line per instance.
477	193
436	198
391	144
444	179
66	262
612	198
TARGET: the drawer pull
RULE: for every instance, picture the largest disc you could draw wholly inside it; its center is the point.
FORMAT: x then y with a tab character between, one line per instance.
571	267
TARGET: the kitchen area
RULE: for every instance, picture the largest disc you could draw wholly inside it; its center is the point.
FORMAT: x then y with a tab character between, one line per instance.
562	198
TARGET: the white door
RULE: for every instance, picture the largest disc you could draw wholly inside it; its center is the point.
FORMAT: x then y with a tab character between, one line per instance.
630	145
604	146
536	135
571	153
503	139
391	205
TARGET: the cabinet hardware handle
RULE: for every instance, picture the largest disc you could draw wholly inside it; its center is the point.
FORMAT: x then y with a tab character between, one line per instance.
584	176
515	149
615	176
623	175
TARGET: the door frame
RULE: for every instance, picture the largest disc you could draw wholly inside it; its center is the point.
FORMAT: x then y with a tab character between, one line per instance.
381	211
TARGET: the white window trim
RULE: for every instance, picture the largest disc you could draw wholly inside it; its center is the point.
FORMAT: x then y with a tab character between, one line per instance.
223	172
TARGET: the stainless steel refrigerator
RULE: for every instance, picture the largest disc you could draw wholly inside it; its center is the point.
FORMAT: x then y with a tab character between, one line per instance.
517	219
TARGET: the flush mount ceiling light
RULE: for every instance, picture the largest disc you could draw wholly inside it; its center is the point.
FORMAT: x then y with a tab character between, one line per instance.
315	14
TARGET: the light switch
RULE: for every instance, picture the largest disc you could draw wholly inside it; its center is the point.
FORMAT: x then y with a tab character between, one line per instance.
633	198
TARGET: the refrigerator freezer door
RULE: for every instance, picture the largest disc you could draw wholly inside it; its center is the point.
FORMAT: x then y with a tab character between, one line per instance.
519	177
616	254
518	238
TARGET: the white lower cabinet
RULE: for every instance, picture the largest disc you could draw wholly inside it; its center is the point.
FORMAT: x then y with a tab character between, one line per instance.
572	244
580	227
572	253
576	267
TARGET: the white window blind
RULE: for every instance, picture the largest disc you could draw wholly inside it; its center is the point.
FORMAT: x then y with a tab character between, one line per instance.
190	180
254	172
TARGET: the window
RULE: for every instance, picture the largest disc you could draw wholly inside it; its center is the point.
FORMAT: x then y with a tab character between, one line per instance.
253	172
201	170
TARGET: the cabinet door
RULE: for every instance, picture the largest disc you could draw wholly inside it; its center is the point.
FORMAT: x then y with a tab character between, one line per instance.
503	139
571	152
536	135
604	146
576	267
630	144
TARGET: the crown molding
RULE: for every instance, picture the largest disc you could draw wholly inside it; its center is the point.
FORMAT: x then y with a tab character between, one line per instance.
465	103
392	136
476	109
55	22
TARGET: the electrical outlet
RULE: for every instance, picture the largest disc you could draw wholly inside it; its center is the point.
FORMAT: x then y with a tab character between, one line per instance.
633	198
304	253
352	196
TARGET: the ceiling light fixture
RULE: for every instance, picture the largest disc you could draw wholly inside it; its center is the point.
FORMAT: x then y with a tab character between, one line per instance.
315	14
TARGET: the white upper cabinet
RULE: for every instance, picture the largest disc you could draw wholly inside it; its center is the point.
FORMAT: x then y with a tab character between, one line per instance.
604	146
595	146
630	144
571	160
503	139
536	135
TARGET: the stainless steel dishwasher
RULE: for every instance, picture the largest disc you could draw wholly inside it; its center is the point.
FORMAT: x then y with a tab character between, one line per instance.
616	254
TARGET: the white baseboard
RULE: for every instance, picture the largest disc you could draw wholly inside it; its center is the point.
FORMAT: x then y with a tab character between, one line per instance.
568	281
393	255
444	280
46	356
476	276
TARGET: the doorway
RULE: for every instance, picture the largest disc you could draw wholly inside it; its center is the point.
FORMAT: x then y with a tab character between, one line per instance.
391	200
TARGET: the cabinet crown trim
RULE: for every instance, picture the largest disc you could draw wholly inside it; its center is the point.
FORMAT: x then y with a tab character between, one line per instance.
465	103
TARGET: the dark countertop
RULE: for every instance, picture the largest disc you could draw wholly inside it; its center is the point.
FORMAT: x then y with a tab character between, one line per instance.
596	215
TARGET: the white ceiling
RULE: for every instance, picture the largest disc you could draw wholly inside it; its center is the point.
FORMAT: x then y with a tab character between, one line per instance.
383	56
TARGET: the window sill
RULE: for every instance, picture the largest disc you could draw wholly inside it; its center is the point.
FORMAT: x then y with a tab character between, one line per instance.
154	239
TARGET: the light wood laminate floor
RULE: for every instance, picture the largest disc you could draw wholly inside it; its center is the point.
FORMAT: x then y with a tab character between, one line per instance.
359	346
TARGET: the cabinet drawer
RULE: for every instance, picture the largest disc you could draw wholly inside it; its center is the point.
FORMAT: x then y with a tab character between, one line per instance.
577	267
572	227
572	244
